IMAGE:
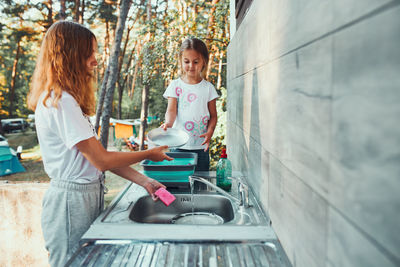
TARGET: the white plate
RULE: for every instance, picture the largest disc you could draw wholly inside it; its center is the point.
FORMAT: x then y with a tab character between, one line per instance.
171	137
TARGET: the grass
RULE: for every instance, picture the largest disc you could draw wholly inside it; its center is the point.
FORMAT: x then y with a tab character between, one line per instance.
27	139
31	159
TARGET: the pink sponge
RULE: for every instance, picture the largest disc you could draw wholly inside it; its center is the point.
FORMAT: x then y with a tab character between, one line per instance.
165	196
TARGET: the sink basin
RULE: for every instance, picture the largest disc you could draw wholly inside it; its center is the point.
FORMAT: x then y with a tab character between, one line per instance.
146	210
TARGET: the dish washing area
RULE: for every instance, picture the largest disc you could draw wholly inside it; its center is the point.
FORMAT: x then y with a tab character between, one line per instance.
193	223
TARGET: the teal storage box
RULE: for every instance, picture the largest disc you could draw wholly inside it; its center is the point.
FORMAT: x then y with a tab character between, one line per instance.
174	171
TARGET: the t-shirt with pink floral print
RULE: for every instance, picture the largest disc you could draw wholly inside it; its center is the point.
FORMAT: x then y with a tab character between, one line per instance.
193	114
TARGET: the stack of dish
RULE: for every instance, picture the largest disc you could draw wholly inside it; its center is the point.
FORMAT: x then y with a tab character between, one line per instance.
177	171
171	137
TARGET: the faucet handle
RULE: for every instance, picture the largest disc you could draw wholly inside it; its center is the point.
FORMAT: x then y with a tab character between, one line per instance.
242	186
244	194
243	191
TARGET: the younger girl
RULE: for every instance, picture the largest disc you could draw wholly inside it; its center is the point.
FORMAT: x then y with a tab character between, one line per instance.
192	101
62	96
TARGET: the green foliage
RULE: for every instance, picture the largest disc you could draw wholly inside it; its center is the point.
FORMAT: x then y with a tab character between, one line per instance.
159	39
157	102
154	43
17	48
104	12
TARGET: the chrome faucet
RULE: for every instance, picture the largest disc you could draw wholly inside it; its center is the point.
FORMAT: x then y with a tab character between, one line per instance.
243	190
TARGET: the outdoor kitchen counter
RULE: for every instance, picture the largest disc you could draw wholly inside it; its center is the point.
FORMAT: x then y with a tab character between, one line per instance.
115	240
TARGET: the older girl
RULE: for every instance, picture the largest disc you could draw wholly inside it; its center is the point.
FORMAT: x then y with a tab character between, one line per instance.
62	95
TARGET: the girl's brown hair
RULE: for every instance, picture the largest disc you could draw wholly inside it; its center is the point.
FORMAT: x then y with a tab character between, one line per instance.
61	66
200	47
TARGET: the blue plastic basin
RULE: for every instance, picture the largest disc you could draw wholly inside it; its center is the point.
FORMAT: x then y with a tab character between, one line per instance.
174	171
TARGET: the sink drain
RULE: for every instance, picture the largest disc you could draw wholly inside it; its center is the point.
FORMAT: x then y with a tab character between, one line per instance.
197	218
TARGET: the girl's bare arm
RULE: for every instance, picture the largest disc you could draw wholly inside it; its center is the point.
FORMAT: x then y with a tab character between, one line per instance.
104	160
132	175
212	122
170	114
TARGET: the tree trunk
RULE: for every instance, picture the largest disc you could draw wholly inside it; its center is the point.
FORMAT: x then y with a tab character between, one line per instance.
211	22
143	115
100	100
13	78
62	10
49	21
77	6
82	12
195	10
120	86
219	80
124	81
210	34
210	63
1	127
182	17
119	107
123	12
146	89
106	52
138	63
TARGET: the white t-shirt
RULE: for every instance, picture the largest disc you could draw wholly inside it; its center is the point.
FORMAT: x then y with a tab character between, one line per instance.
193	114
59	130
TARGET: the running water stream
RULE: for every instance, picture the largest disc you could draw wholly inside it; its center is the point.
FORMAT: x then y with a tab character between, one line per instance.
198	217
191	181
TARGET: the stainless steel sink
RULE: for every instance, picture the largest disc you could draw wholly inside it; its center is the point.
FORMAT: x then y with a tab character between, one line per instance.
146	210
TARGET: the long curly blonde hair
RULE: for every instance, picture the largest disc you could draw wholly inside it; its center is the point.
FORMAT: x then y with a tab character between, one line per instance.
61	66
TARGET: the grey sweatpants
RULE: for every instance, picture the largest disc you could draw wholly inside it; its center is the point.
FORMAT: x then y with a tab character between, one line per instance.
68	211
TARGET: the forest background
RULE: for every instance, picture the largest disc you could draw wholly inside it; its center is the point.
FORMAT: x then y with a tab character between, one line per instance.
138	52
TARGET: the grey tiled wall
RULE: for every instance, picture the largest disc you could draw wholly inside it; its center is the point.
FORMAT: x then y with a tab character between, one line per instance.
314	122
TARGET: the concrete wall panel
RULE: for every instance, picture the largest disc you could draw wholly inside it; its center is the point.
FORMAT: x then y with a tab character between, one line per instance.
366	134
298	215
313	121
347	246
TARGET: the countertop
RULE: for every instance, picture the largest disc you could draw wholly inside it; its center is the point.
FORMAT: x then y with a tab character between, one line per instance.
114	240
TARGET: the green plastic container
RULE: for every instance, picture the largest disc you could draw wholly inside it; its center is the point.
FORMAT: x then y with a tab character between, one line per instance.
175	171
